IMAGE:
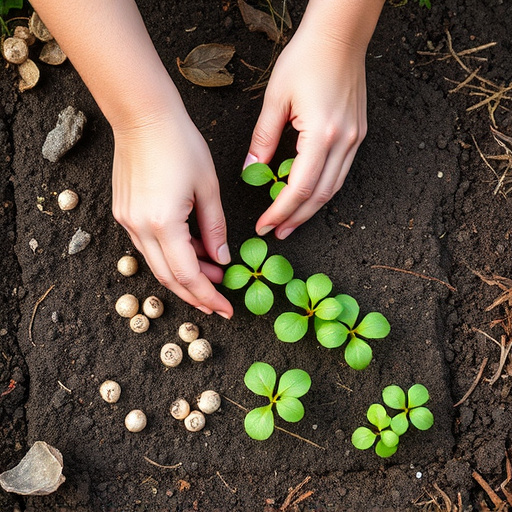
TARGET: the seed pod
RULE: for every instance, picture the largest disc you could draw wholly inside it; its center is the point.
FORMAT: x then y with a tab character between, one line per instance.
127	265
188	332
180	409
208	401
110	391
200	350
195	421
67	200
15	50
127	305
52	54
135	421
139	323
38	28
171	355
24	33
153	307
29	74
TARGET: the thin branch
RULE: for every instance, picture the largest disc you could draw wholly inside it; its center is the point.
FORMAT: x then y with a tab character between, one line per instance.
428	278
475	383
498	502
175	466
35	311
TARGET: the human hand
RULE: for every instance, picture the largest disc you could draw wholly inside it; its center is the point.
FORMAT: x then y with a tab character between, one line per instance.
318	85
162	170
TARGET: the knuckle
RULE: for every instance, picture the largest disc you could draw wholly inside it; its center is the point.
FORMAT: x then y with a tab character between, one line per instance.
325	196
262	136
303	192
183	278
164	280
217	228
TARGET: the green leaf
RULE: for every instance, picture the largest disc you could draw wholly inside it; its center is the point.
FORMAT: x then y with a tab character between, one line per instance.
7	5
290	409
257	174
285	167
236	277
417	395
261	378
254	252
294	383
378	416
400	424
291	327
330	333
394	397
421	417
318	286
297	293
350	310
373	326
384	451
259	423
389	438
277	269
276	188
363	438
358	354
328	309
259	298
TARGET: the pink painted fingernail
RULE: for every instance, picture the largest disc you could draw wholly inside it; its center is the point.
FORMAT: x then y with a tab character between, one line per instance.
223	255
205	310
265	229
249	159
285	233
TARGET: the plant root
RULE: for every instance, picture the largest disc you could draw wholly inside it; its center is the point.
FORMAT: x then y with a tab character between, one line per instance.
474	385
34	311
423	276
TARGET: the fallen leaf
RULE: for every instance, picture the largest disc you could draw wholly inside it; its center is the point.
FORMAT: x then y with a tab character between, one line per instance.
259	21
204	65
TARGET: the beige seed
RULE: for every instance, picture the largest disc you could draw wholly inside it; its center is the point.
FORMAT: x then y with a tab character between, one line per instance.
188	332
153	307
139	323
195	421
67	200
180	409
208	401
15	50
127	305
127	265
135	420
110	391
200	350
171	355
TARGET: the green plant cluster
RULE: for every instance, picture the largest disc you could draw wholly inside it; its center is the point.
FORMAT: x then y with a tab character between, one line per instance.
5	7
258	174
385	431
261	379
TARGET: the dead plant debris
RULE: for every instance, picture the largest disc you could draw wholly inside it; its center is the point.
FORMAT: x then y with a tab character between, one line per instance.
423	276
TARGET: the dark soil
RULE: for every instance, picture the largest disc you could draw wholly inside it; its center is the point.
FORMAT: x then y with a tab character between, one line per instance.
418	198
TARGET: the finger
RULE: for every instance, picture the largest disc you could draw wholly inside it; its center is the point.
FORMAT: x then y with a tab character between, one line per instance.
211	271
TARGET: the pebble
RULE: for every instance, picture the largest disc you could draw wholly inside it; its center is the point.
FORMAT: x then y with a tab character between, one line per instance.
79	241
65	135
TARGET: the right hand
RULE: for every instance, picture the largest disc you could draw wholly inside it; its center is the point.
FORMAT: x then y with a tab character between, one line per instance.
162	170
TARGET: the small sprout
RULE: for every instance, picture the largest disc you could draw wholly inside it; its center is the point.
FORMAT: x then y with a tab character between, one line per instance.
127	265
311	296
38	28
67	200
110	391
200	350
180	409
29	74
171	355
127	305
258	174
15	50
24	33
135	421
276	269
261	379
153	307
139	323
195	421
52	54
188	332
208	401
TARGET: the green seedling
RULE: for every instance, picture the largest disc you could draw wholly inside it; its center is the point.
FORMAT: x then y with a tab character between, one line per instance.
332	334
5	7
387	440
261	379
258	174
421	417
311	296
259	298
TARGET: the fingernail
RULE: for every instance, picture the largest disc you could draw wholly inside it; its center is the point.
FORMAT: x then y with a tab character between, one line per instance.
205	310
223	256
285	233
249	159
223	314
265	229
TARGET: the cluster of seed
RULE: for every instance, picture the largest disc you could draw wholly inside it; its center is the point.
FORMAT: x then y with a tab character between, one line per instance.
199	349
207	402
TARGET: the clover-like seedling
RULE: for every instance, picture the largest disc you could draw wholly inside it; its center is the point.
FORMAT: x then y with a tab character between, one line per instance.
258	174
332	334
261	379
310	296
387	440
421	417
276	269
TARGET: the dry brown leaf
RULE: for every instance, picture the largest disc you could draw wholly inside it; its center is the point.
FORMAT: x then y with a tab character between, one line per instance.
259	21
204	65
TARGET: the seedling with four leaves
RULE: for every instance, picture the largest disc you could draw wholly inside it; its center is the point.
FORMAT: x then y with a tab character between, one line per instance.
261	379
258	174
259	298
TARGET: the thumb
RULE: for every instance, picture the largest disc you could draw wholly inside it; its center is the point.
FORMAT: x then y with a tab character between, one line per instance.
267	133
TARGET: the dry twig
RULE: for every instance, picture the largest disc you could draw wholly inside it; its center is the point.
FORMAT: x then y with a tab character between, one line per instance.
474	385
34	311
423	276
290	501
175	466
